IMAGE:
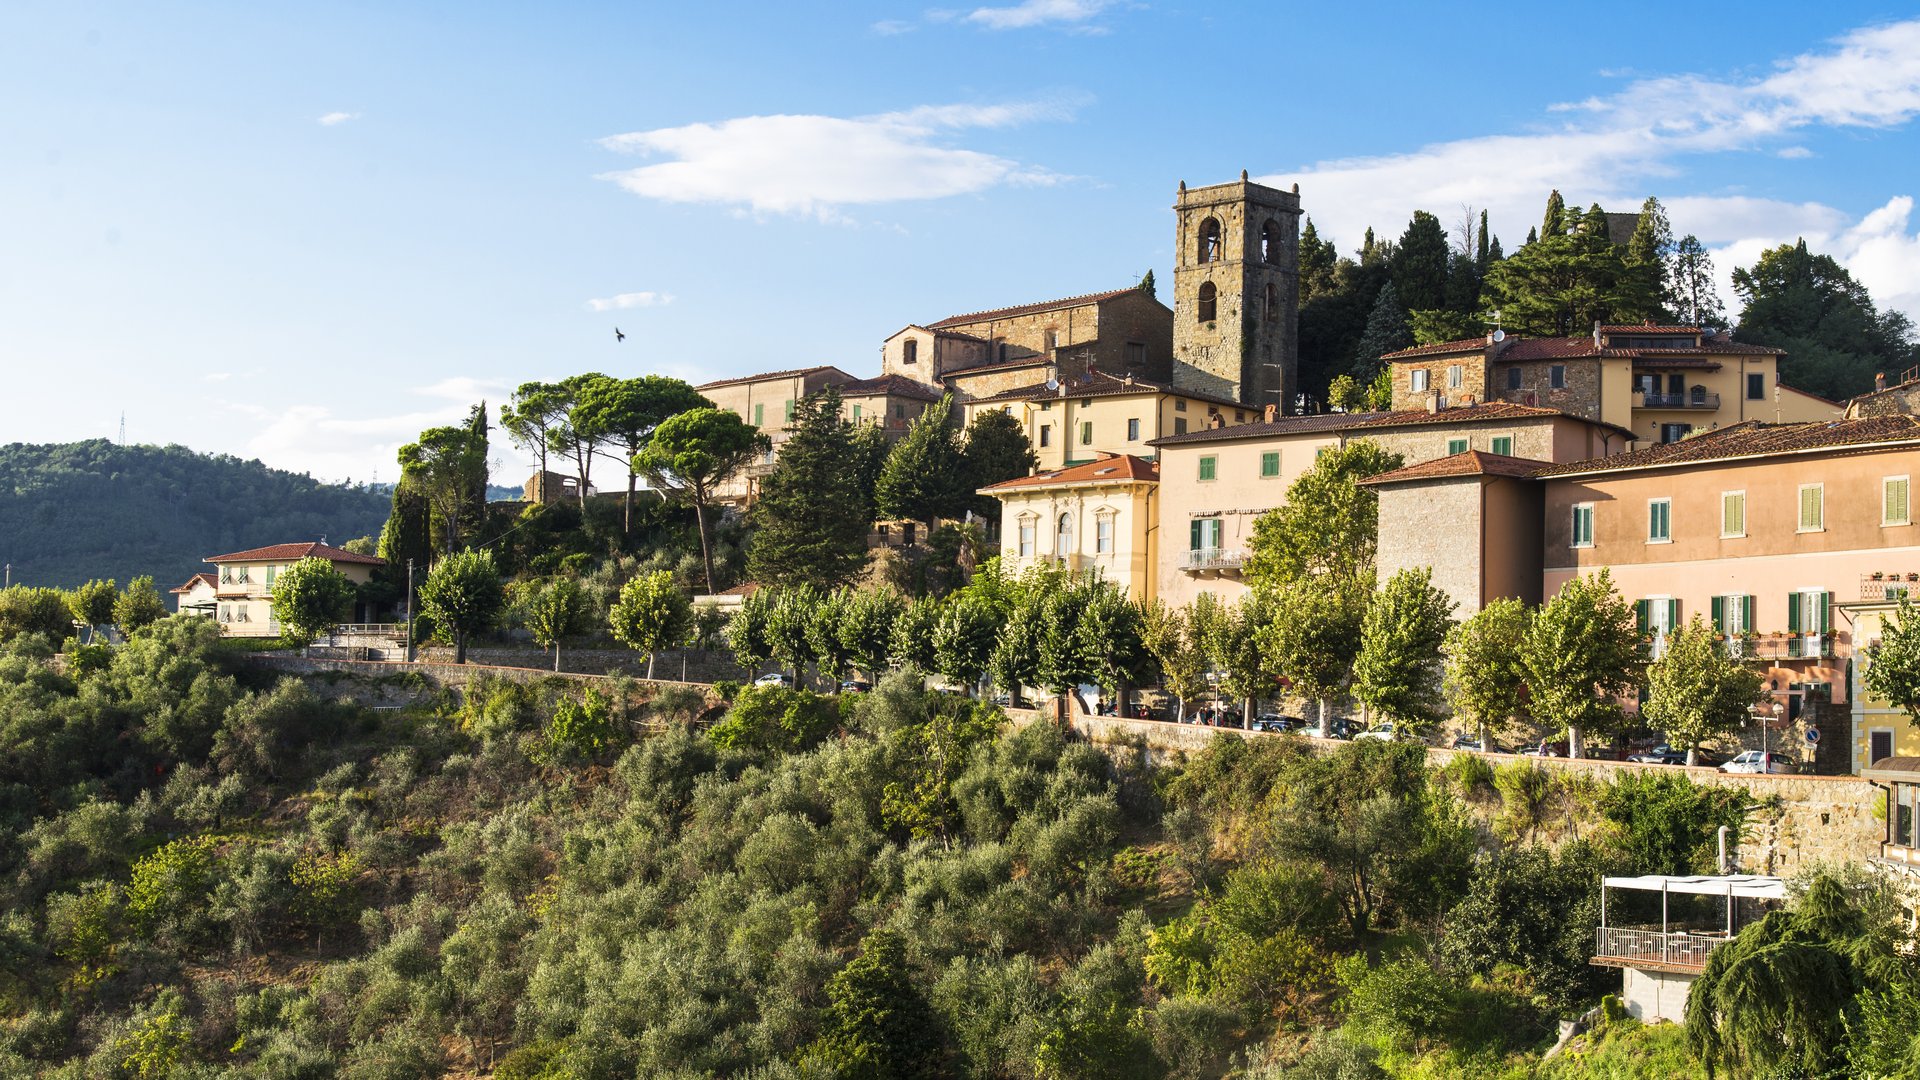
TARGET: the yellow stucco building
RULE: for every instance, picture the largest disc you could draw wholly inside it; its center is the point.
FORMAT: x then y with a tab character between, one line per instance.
1099	517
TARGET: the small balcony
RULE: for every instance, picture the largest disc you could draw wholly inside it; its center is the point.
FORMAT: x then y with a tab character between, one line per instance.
1684	950
1888	587
1214	560
1696	398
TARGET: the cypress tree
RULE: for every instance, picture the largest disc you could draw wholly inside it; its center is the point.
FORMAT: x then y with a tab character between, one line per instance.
1388	329
1533	235
1644	289
1555	223
925	475
1483	255
811	526
1420	264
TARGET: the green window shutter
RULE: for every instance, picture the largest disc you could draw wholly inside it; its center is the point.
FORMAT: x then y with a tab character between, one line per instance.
1641	617
1503	445
759	416
1086	433
1793	613
1207	467
1823	611
1894	501
1673	615
856	414
1270	464
1746	614
1719	614
1193	535
787	411
1456	446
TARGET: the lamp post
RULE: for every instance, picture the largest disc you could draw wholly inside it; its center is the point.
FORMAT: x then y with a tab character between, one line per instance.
409	611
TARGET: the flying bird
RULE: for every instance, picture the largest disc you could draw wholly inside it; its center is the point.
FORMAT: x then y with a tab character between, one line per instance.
617	335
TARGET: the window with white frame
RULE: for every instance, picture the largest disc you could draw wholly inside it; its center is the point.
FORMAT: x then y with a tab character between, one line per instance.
1417	379
1813	507
1456	376
1583	525
1659	521
1063	536
1733	515
1025	533
1103	534
1893	501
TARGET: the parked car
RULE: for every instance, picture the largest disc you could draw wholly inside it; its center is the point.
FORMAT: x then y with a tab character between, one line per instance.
1757	761
855	686
1660	755
775	678
1338	727
1385	732
1468	742
1276	723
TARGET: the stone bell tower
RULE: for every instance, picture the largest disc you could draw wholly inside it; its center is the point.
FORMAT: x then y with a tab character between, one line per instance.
1236	289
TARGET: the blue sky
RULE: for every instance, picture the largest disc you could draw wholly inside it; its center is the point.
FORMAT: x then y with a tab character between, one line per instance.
302	233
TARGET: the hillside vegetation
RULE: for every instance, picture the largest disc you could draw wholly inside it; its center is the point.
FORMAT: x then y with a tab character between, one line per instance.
70	512
204	873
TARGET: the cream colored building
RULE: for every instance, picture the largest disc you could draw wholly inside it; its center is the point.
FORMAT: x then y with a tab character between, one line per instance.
1660	382
767	401
1099	516
1107	414
196	597
1216	483
243	588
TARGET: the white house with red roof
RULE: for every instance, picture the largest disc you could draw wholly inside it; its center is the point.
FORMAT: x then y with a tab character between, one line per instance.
196	597
243	582
1099	516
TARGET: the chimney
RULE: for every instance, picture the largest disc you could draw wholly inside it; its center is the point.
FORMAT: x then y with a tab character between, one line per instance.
1433	402
1216	421
1466	401
1596	334
1267	413
1879	380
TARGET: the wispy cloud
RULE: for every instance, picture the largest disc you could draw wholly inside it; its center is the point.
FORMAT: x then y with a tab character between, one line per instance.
464	388
314	439
334	119
891	27
621	301
1030	13
1623	145
816	165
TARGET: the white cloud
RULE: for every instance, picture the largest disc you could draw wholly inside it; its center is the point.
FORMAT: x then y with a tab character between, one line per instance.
1615	149
891	27
621	301
314	439
815	165
464	388
1030	13
1793	153
334	119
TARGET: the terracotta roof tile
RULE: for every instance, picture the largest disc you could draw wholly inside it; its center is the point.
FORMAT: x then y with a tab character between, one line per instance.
1467	463
1439	348
1755	439
197	579
1647	328
890	385
1461	414
296	552
1029	309
1105	469
770	375
1523	349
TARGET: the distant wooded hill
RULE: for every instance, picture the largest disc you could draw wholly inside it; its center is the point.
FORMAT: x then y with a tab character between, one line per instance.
75	511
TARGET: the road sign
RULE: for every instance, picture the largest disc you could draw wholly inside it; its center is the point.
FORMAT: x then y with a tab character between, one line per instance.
1813	734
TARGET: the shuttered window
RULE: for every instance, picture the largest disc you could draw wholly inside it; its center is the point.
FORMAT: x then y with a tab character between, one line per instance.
1659	521
1893	501
1208	465
1813	508
1503	444
1270	464
1583	525
1456	446
1733	513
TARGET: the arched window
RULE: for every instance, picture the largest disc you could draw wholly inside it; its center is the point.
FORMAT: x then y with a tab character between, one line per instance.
1208	304
1063	537
910	351
1270	244
1273	301
1209	249
1000	350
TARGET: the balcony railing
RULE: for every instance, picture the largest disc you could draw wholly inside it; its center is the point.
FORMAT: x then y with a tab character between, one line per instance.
1214	559
1701	400
1887	587
1791	647
1631	948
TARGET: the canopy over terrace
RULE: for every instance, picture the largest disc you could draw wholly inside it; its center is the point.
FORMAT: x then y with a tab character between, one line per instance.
1682	950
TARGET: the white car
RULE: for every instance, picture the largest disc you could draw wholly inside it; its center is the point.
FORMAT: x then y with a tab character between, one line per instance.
775	678
1756	761
1383	732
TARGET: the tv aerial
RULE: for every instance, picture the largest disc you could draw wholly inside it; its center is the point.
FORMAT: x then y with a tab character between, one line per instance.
1499	335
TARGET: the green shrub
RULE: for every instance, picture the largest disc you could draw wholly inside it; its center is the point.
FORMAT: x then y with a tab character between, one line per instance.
1405	1001
773	718
169	890
581	729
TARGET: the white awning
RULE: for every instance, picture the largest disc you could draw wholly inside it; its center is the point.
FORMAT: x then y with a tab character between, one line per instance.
1749	885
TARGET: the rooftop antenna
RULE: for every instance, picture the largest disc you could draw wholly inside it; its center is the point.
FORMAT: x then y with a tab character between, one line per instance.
123	428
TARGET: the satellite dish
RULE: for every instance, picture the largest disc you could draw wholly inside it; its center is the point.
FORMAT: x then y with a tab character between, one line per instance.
1053	384
1499	335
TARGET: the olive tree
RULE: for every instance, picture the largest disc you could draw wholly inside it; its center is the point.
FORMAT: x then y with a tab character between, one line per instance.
651	614
463	596
309	598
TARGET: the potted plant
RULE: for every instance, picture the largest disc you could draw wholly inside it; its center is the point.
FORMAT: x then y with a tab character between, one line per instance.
1911	576
1878	576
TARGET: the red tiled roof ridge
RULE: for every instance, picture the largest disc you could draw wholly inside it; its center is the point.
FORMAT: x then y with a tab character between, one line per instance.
1648	327
1028	309
1756	439
769	375
1108	385
296	552
891	383
196	579
1465	463
1100	470
1439	347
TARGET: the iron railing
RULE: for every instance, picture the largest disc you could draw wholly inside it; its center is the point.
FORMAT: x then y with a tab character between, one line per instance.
1680	401
1677	949
1215	559
1886	587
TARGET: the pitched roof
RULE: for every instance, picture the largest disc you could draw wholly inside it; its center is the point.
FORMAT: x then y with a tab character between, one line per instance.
1029	309
1105	469
1754	439
890	385
771	375
197	579
1102	384
296	552
1459	414
1004	365
1648	327
1521	349
1439	348
1466	463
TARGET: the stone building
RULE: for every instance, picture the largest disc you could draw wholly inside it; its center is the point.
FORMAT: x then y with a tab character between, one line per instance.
893	402
1082	418
1125	331
1429	512
767	402
1236	288
1902	398
1660	382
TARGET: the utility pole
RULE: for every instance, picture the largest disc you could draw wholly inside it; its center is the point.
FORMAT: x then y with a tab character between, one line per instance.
409	611
9	576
